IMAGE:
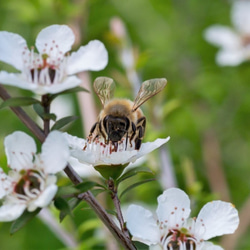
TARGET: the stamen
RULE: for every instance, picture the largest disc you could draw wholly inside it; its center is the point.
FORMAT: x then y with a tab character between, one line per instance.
192	243
21	197
29	186
47	68
170	247
35	191
166	243
39	179
27	192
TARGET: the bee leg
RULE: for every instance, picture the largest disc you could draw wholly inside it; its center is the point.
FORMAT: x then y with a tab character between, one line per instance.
101	128
140	129
137	143
139	137
126	142
132	135
97	136
141	126
93	128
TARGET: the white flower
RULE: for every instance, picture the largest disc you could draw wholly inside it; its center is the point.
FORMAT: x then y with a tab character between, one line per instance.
234	42
83	170
31	180
172	228
51	70
98	153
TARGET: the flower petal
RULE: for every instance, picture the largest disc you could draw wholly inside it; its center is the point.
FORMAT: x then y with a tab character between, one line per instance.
5	184
216	218
230	57
155	247
50	180
95	157
83	170
150	146
222	36
83	156
68	83
16	80
173	208
20	149
55	39
118	158
93	56
10	212
11	49
142	225
74	142
55	152
240	16
76	146
44	198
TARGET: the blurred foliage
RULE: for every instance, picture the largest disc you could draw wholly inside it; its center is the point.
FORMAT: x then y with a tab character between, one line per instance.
201	98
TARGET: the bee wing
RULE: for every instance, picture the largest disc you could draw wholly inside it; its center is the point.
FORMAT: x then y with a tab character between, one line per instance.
148	89
104	88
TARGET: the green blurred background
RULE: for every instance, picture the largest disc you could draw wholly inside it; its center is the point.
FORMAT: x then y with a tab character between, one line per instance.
204	108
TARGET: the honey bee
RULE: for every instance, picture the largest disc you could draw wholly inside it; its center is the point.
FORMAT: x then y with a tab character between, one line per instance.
122	119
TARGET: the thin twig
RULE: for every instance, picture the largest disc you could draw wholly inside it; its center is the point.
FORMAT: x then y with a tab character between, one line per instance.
118	234
46	119
121	237
30	124
114	196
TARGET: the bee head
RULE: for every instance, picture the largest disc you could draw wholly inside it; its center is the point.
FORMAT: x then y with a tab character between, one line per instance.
116	127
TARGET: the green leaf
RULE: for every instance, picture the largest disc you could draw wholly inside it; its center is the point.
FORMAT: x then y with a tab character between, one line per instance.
110	171
50	116
132	172
66	191
88	225
86	185
112	212
62	205
18	101
39	109
97	191
63	122
23	220
72	203
92	242
135	185
69	91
